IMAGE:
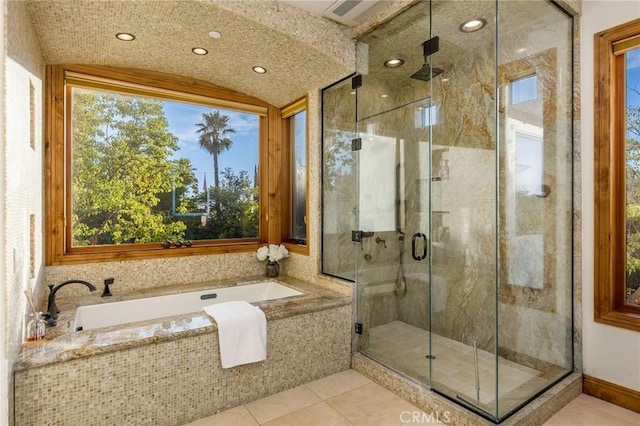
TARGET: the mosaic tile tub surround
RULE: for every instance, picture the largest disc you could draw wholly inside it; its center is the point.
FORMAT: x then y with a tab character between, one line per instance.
169	372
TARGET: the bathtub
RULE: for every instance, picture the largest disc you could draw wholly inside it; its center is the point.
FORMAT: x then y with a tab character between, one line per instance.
308	338
129	311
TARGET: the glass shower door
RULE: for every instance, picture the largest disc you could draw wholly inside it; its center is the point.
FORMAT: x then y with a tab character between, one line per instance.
501	212
394	115
464	363
391	258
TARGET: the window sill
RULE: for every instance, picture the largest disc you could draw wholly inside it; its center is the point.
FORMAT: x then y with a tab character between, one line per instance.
297	248
151	253
628	320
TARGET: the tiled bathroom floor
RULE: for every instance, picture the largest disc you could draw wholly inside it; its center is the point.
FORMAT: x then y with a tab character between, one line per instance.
586	410
348	399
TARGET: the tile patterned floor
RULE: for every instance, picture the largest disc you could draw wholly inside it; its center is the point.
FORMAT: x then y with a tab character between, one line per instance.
350	399
586	410
343	399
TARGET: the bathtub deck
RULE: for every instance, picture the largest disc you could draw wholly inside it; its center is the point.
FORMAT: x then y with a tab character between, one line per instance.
63	344
169	372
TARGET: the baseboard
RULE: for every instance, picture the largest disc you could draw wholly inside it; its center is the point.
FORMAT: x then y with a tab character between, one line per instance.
610	392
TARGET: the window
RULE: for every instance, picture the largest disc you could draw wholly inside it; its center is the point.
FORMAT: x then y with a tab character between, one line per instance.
617	171
143	166
632	151
295	228
523	89
428	115
299	176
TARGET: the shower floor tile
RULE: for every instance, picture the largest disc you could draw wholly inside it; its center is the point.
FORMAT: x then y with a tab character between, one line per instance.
404	348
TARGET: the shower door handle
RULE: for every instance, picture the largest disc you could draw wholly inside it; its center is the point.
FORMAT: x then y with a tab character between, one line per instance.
424	246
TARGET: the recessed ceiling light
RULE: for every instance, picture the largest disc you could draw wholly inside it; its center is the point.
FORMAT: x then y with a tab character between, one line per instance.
394	63
444	80
214	34
384	96
125	37
521	50
200	51
259	69
473	25
353	92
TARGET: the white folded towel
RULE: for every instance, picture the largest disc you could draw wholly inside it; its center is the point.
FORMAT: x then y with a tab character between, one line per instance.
242	332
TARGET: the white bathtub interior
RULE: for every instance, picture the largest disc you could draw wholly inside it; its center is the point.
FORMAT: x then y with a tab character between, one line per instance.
116	313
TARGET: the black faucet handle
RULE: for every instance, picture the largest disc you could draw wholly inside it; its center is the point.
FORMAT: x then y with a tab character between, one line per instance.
106	292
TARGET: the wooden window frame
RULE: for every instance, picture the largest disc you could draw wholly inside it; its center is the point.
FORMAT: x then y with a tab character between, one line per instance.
56	157
609	182
287	113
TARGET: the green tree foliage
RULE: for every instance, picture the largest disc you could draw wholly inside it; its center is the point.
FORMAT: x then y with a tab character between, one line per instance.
213	131
184	203
237	212
338	158
122	165
633	198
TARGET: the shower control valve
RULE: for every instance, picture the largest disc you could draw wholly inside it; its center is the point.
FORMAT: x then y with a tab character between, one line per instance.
381	241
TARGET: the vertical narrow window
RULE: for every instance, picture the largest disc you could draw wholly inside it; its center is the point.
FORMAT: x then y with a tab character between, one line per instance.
631	70
617	176
32	116
295	202
299	176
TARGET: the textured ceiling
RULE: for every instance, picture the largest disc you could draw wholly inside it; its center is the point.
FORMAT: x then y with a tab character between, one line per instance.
301	51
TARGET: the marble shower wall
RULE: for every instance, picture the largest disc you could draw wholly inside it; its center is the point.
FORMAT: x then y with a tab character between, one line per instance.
535	317
474	206
533	323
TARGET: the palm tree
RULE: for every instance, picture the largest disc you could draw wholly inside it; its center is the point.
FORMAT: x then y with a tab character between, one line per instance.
213	130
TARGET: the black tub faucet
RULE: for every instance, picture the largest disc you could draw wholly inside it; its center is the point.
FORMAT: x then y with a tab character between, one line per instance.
105	291
52	309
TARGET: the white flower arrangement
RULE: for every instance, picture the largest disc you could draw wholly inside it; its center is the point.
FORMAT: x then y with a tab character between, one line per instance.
272	252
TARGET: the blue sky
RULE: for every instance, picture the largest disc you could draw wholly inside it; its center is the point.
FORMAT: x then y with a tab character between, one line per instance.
633	77
243	154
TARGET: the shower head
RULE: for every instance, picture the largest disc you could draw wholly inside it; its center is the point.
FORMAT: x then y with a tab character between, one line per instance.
426	73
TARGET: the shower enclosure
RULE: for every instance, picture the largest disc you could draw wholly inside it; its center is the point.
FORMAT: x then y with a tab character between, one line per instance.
448	163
